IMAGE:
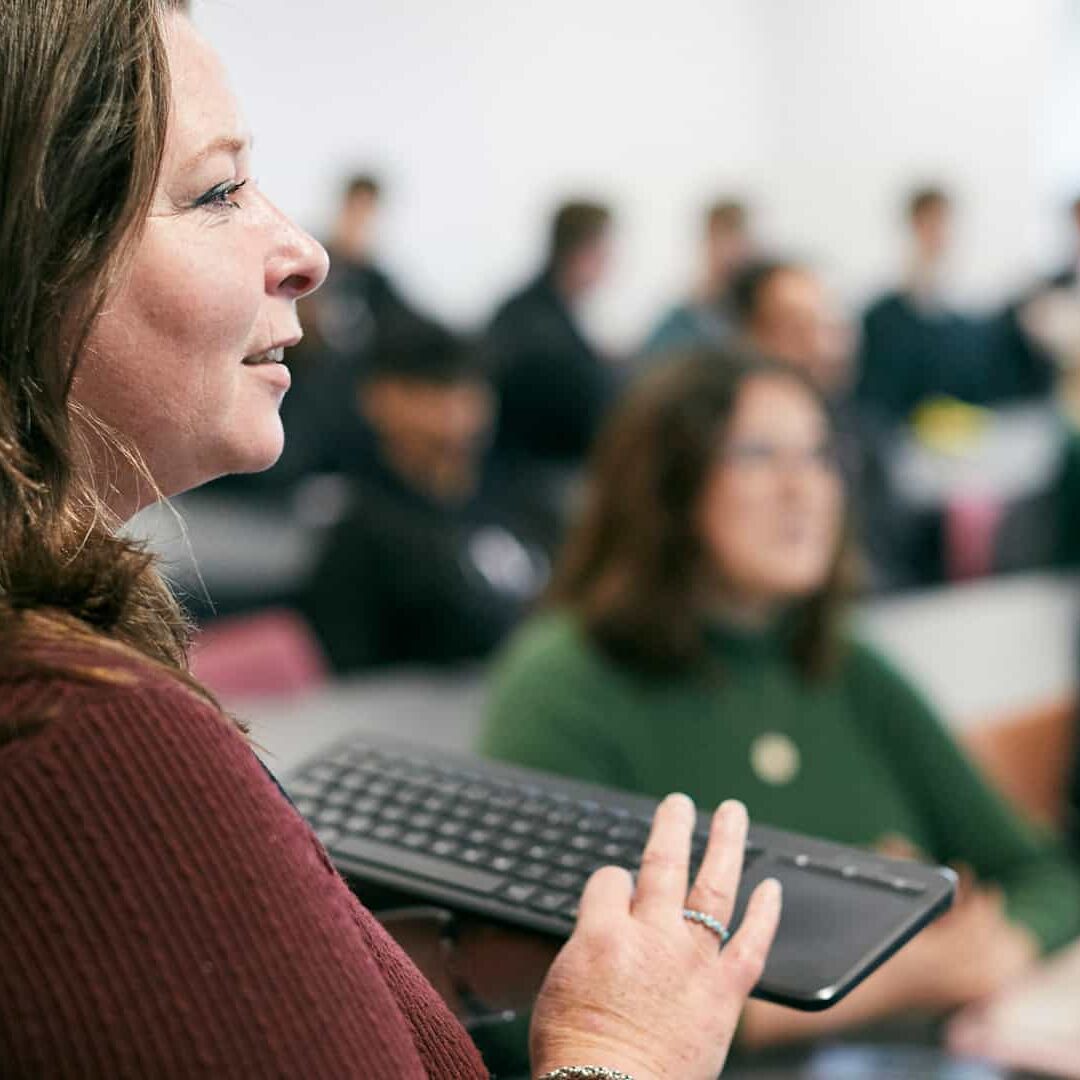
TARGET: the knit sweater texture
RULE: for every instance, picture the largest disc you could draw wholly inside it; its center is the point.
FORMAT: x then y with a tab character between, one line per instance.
871	758
164	912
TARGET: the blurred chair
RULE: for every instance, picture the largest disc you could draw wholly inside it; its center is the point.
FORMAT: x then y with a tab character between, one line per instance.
971	529
1027	755
269	653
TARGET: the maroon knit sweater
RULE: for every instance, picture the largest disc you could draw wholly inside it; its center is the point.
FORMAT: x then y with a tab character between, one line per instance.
165	913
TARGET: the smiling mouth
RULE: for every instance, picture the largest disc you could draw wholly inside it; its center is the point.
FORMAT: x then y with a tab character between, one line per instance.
271	356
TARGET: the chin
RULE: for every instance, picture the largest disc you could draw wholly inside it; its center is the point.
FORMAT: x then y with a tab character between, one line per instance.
258	454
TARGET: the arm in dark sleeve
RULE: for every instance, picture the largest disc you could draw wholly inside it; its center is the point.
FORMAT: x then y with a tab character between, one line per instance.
969	821
344	598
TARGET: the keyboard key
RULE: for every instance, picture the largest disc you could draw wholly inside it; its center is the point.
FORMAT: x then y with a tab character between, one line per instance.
572	860
550	900
533	871
338	797
393	813
393	857
511	844
328	836
359	823
416	839
479	836
471	854
445	848
451	828
519	892
539	852
386	832
567	879
502	864
332	815
493	820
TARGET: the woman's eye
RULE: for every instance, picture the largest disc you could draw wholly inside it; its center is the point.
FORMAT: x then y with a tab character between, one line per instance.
220	197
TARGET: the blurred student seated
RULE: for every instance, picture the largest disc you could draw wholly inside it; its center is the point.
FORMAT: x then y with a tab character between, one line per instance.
552	385
705	317
438	557
914	344
694	639
783	309
341	324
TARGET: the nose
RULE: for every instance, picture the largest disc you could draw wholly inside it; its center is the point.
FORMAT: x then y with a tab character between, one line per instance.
298	263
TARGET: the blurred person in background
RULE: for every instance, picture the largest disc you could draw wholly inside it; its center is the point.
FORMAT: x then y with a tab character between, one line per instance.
552	385
705	317
783	309
694	637
915	346
341	325
437	558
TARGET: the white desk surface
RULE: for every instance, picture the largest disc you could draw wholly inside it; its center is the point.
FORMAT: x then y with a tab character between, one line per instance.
976	651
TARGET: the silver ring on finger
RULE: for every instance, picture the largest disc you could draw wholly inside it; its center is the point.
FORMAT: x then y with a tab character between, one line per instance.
714	925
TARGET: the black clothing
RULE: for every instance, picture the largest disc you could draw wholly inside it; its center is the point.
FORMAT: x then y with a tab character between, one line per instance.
406	579
910	353
553	388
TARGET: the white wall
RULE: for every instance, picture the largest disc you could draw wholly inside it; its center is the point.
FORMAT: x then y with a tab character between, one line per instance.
872	96
482	113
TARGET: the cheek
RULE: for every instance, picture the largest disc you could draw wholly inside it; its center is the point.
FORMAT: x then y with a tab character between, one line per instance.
194	294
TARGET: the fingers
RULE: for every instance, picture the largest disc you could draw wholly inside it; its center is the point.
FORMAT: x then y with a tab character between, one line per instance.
743	960
718	879
606	897
662	878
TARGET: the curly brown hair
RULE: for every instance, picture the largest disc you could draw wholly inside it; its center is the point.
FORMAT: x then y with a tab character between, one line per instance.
84	105
631	568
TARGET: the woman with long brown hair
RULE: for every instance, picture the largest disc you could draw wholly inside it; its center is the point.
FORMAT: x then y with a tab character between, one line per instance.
163	910
695	638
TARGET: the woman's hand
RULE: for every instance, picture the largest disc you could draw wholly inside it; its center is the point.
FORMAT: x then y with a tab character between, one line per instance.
973	951
639	988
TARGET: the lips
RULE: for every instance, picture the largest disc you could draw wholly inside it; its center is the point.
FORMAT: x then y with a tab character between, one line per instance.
270	356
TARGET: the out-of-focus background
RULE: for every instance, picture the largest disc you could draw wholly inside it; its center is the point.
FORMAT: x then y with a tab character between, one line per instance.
532	208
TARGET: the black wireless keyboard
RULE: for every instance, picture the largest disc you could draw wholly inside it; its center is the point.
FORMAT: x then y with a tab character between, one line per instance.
517	845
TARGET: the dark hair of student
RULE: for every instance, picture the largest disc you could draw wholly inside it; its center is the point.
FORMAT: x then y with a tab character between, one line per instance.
750	283
419	349
632	567
84	104
576	225
363	184
924	199
728	215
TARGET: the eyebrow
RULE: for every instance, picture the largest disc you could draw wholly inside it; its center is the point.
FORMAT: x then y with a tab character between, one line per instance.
225	144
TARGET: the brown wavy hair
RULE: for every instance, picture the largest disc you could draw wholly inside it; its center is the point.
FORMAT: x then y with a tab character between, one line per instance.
84	104
632	567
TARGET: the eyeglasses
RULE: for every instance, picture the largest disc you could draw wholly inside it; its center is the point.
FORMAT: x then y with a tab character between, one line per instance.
759	454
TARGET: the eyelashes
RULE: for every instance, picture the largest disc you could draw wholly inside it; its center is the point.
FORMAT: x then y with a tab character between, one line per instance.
220	197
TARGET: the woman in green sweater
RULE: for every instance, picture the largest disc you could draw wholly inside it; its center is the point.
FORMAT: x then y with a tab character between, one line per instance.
693	641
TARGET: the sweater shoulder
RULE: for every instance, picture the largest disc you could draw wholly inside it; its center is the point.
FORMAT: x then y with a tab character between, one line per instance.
51	690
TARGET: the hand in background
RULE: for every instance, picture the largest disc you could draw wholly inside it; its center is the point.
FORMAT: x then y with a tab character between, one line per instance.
972	951
638	987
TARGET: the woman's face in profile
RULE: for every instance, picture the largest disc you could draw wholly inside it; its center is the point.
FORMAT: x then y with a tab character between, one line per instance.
182	360
771	511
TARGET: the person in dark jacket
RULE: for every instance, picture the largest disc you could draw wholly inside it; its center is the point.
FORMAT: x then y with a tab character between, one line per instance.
552	385
440	554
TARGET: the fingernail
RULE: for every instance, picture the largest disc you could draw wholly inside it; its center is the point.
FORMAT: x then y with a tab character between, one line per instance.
680	796
774	883
732	805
